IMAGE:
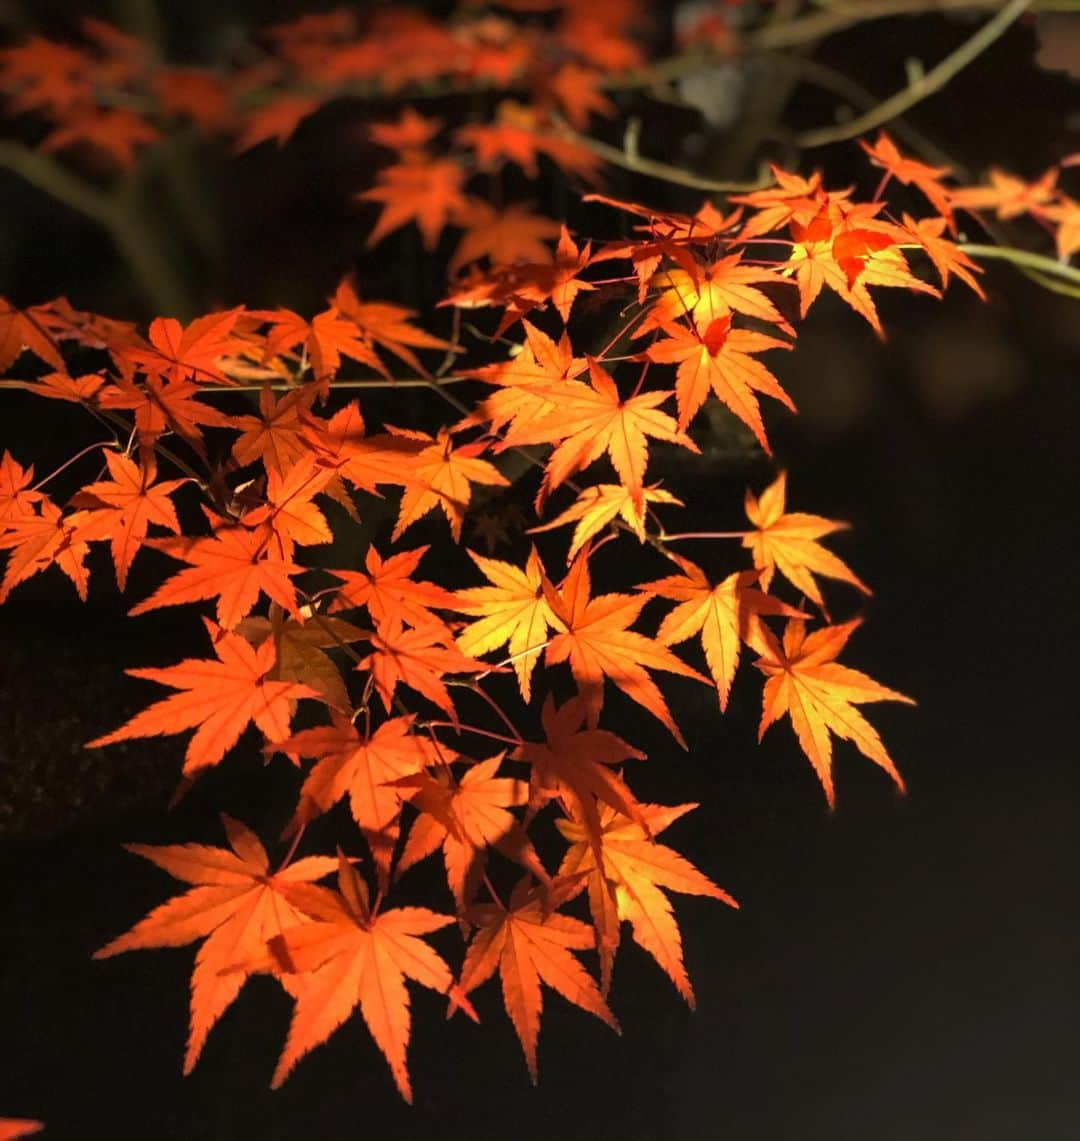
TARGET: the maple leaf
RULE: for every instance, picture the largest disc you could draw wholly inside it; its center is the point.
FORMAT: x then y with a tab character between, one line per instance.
722	614
17	497
559	282
946	256
911	172
820	695
25	329
387	325
505	236
600	505
216	698
625	884
275	436
593	637
236	905
427	191
516	136
159	405
126	504
530	384
1008	195
289	513
388	590
511	610
441	476
39	541
726	286
465	818
326	338
362	767
71	389
593	419
352	956
301	650
412	131
577	91
720	361
529	944
788	543
420	659
572	763
234	565
192	353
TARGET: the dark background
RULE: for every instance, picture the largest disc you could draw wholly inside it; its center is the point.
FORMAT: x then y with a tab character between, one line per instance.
905	967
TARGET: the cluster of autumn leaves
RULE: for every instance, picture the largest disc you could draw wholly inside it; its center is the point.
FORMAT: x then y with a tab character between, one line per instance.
386	687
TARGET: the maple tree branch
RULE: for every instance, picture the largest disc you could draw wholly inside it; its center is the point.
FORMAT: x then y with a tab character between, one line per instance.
628	158
922	88
1039	263
664	538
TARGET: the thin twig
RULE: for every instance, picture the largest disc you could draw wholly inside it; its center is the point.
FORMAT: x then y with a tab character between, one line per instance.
925	86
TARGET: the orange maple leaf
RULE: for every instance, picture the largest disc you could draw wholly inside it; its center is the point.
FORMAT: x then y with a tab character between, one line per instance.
41	540
428	191
572	763
216	698
527	944
911	172
192	353
592	636
465	818
592	419
788	542
159	405
275	436
820	695
234	565
505	236
511	610
720	360
722	614
17	497
125	505
362	767
350	956
388	590
12	1128
25	329
600	505
236	905
442	476
625	885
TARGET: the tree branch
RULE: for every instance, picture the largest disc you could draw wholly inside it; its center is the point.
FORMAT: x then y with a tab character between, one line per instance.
930	83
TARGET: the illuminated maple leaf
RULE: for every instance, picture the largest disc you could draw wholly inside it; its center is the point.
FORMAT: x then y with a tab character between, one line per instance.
788	543
17	497
419	658
386	325
947	256
505	236
442	476
177	353
22	329
1008	195
388	590
593	419
529	944
364	769
349	956
123	506
721	361
14	1128
625	884
234	565
429	192
275	120
275	436
236	904
464	818
820	695
600	505
40	540
161	405
594	639
721	614
511	610
114	130
885	153
216	698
